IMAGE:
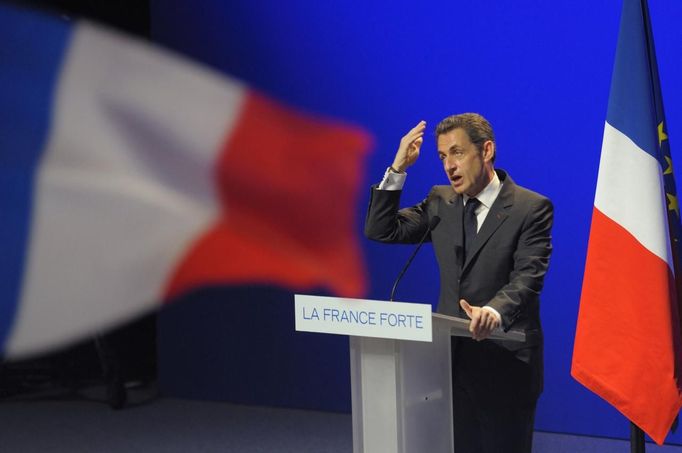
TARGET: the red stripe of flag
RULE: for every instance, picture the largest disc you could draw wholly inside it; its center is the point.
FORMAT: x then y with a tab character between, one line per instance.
289	186
625	331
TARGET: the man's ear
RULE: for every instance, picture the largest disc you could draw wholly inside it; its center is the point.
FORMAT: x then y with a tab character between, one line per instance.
488	150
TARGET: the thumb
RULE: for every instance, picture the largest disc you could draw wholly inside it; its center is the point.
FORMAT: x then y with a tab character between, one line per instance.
466	307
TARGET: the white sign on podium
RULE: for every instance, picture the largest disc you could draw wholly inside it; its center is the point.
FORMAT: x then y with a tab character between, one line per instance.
365	318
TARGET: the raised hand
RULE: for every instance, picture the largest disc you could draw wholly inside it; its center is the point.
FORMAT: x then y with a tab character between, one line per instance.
408	151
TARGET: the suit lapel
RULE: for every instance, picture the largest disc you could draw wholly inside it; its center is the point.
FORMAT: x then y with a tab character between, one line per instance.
498	213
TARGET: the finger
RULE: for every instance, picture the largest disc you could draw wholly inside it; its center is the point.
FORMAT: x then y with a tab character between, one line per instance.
475	324
413	136
483	326
489	324
495	322
418	129
479	331
482	335
466	307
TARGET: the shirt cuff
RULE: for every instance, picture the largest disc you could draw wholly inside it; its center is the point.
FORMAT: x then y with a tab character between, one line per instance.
494	312
392	180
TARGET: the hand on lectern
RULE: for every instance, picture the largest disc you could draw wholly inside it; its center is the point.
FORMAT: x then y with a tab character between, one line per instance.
483	322
408	151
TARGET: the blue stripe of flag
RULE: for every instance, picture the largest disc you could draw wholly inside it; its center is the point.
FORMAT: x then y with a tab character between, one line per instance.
32	47
631	105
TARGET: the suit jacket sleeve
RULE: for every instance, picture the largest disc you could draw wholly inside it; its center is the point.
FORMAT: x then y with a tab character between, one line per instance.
385	222
531	261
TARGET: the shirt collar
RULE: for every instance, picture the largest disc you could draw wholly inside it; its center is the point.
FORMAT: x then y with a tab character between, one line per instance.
488	195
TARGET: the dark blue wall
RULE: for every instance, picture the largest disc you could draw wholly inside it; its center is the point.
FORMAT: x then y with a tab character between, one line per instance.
539	71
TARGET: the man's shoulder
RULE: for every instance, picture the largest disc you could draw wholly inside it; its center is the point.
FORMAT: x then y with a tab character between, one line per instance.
523	193
444	193
529	194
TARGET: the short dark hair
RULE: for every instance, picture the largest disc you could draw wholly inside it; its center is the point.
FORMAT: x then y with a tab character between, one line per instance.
476	126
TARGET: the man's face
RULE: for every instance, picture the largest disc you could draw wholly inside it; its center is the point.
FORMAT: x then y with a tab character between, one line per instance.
469	170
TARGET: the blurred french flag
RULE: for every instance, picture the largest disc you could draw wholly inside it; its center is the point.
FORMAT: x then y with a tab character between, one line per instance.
129	175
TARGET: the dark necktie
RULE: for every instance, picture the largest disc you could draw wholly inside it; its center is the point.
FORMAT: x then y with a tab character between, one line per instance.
470	223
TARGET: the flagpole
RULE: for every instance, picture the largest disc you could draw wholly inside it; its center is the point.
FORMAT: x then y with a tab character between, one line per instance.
636	439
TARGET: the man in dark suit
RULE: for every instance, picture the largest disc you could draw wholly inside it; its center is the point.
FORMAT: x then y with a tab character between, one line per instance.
492	245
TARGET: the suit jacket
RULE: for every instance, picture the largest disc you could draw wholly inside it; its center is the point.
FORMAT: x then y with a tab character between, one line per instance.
505	267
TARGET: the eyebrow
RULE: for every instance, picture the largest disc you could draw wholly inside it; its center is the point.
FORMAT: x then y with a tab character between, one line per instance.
452	148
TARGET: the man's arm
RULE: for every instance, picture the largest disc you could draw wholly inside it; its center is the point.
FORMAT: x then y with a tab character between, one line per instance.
384	221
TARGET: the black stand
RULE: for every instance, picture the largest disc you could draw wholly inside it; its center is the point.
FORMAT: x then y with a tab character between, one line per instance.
636	439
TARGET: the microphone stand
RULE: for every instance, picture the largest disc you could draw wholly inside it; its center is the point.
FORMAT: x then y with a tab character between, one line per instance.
434	222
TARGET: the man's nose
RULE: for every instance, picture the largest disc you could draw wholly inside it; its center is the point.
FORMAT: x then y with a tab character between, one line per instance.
450	164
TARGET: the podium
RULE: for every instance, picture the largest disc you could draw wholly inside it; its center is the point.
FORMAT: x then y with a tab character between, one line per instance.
401	380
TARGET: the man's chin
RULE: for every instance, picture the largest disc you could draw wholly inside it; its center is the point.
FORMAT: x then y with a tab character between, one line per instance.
458	188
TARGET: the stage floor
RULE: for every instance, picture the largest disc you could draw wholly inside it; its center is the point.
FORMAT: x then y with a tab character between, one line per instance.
66	424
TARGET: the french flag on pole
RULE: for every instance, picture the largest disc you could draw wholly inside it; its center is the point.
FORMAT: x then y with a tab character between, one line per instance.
627	344
129	175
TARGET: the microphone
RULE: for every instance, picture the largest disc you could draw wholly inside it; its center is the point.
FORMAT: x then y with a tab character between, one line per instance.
435	220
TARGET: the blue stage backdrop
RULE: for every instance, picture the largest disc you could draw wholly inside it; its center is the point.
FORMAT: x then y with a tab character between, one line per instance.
539	71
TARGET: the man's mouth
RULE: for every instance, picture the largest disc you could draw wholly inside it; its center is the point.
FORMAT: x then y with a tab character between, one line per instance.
456	179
